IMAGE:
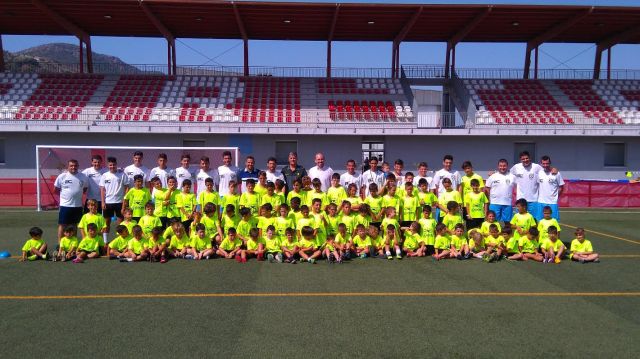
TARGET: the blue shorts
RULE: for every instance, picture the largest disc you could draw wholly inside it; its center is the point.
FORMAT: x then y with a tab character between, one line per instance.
555	211
503	212
534	208
70	215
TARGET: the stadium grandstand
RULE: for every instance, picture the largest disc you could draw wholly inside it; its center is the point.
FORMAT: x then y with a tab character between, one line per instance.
376	112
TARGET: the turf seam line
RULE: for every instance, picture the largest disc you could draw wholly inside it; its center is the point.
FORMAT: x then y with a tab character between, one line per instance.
322	294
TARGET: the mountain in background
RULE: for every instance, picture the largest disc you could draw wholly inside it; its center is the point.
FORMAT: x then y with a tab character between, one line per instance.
62	57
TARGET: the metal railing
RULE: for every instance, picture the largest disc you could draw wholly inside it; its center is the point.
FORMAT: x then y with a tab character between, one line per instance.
580	121
410	71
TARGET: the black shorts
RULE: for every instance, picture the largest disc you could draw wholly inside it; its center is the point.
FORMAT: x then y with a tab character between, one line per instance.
164	221
70	215
405	223
113	209
474	223
86	209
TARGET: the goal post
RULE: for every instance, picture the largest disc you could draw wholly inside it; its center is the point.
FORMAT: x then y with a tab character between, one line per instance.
51	160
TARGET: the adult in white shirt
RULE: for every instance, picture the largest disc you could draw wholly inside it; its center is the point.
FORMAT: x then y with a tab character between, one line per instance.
204	173
70	185
550	188
184	172
422	173
436	183
372	175
93	174
227	173
500	186
526	176
321	172
351	176
272	175
162	171
137	168
113	186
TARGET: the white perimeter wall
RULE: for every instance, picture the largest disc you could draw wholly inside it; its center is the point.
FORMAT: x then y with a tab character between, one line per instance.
576	157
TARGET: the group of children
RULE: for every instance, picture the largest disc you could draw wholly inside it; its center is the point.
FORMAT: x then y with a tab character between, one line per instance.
308	224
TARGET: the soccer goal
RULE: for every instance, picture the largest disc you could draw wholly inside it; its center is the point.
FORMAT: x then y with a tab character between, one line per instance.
51	160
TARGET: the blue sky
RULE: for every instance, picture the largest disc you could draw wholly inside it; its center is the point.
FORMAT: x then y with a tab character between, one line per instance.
349	54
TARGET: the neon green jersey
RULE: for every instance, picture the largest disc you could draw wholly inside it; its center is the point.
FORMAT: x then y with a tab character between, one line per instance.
476	203
251	201
137	198
68	244
428	230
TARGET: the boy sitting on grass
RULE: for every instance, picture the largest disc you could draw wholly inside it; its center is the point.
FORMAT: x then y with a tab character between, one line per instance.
35	247
68	244
581	248
89	247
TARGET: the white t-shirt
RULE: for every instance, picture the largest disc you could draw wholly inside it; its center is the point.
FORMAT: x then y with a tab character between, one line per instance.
399	178
203	175
526	181
549	187
347	178
369	177
132	170
226	174
71	188
94	182
501	188
273	176
441	174
417	179
163	174
183	174
114	185
323	174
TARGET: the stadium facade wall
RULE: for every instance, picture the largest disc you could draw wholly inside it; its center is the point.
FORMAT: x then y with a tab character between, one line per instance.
578	157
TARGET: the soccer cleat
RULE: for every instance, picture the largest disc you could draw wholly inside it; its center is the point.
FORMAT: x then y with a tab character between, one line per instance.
238	258
270	257
557	260
163	259
467	256
312	261
77	260
330	258
494	257
189	256
363	256
260	257
55	256
582	261
597	260
63	256
398	256
389	257
279	257
293	261
459	257
243	260
32	257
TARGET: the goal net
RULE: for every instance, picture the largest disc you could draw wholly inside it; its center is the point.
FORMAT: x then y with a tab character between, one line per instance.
51	160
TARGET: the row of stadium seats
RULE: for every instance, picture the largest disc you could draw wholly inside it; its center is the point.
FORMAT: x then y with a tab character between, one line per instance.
607	102
199	98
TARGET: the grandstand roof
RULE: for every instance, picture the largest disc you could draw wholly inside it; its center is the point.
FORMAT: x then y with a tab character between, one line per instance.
320	21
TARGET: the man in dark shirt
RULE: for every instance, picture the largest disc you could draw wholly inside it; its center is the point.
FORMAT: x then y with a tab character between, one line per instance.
249	172
293	171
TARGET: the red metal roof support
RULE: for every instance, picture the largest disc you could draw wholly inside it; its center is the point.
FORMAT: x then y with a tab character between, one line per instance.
330	38
460	35
548	35
1	55
73	29
607	44
171	40
245	38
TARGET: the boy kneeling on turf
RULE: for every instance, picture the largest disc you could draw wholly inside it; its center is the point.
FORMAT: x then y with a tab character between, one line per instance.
68	245
89	247
35	247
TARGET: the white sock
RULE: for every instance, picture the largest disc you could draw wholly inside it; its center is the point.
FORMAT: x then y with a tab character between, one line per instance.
104	237
398	252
